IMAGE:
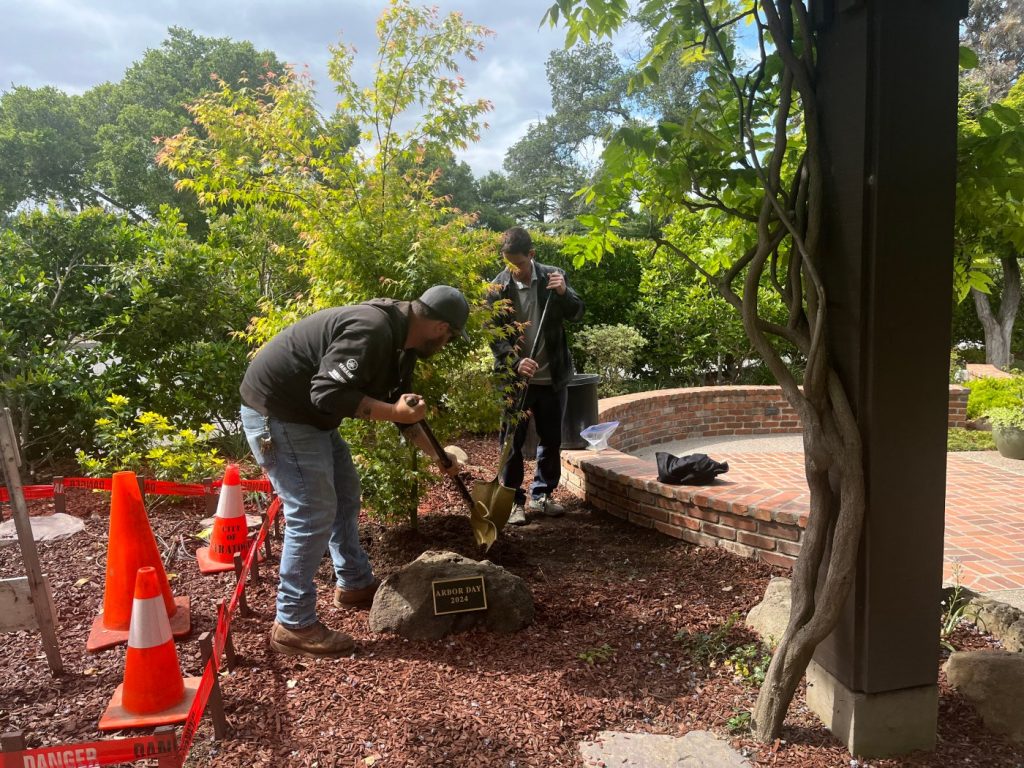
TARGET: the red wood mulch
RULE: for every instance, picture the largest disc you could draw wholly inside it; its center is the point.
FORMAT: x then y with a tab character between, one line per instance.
602	588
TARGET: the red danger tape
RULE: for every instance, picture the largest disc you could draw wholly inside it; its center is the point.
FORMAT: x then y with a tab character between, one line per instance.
93	753
29	492
167	488
220	635
158	487
263	485
91	483
273	509
195	714
252	554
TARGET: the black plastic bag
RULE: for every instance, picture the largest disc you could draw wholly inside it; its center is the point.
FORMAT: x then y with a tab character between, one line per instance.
694	469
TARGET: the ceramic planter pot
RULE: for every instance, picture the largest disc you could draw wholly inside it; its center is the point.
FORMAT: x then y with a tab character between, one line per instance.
1009	441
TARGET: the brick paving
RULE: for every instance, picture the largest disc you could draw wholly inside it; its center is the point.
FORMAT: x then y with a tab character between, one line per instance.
984	510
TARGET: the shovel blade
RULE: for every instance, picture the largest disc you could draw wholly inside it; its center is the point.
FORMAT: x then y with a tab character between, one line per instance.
483	529
496	501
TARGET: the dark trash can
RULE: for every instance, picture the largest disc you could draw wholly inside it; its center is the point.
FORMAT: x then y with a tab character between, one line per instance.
580	409
580	412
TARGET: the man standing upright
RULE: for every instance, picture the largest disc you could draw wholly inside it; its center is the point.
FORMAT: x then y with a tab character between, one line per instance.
344	362
529	289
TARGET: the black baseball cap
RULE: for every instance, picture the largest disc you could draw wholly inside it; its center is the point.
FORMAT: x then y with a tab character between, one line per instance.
450	305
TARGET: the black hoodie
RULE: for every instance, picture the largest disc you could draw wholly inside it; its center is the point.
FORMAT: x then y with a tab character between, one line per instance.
316	371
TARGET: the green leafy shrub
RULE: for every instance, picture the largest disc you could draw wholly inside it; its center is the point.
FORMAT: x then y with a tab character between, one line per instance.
473	404
609	350
957	368
610	288
695	337
392	473
94	304
149	444
1006	418
990	393
960	439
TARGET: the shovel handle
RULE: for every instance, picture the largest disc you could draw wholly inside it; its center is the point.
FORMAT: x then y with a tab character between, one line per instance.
442	455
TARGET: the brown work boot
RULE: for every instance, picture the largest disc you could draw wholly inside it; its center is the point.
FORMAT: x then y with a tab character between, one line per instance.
314	640
352	599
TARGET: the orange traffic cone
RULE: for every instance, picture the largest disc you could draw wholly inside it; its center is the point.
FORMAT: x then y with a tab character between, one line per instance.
153	691
230	532
131	546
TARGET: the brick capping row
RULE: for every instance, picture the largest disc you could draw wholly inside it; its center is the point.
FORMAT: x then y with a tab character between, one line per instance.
752	520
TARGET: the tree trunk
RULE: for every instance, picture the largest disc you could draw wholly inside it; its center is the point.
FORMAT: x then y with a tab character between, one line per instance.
999	328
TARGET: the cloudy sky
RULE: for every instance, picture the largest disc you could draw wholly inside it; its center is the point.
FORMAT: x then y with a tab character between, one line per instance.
75	44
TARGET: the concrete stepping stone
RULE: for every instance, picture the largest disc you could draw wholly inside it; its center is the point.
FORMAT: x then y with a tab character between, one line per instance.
697	749
44	528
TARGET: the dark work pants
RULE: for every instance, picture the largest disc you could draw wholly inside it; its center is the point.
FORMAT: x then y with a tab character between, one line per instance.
546	406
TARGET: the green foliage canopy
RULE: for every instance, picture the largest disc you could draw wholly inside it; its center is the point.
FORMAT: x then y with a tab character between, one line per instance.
98	148
365	214
96	304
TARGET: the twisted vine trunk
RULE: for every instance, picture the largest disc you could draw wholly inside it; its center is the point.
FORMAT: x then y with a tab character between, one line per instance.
833	456
835	477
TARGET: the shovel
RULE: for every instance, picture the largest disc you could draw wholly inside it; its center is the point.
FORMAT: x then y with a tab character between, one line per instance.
484	530
495	498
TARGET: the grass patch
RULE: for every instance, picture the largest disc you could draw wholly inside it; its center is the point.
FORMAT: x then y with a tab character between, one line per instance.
960	439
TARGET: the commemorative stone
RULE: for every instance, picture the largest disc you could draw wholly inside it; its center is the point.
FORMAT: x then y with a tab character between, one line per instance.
443	593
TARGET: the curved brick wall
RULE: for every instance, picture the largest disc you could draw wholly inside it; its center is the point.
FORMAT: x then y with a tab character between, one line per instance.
750	517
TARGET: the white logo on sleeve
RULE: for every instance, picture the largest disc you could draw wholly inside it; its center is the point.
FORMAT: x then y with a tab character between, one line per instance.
342	372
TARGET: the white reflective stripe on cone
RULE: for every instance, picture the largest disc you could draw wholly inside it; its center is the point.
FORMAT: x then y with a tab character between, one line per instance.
229	504
149	626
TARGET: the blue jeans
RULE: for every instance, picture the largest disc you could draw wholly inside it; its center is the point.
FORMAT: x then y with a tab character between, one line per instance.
311	470
546	406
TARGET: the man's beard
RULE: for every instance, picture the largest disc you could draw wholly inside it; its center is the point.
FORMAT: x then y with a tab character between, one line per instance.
428	348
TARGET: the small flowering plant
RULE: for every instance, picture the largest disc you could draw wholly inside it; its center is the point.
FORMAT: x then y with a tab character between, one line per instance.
149	443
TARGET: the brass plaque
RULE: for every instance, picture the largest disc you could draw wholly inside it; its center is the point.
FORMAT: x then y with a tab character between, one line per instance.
459	595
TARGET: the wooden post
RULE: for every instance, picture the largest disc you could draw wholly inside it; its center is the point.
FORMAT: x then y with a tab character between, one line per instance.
230	659
142	487
266	540
243	607
887	234
12	741
59	497
211	500
41	601
216	705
